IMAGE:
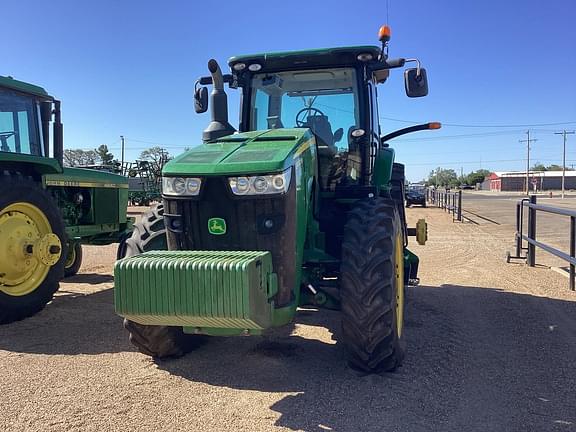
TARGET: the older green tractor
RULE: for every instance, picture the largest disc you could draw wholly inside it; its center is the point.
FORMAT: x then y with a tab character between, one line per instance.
46	211
304	205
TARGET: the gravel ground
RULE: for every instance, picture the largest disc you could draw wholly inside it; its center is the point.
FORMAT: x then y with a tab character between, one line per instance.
491	348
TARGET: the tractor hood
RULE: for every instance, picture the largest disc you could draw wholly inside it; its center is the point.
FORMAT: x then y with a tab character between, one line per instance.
244	153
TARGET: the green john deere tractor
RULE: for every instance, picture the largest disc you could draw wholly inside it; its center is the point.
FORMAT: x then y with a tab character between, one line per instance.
46	211
304	205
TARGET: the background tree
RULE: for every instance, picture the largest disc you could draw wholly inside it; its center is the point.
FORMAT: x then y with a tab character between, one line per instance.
538	166
156	158
556	167
443	177
477	176
106	158
79	157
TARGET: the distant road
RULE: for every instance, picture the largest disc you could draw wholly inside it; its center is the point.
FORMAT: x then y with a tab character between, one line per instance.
501	209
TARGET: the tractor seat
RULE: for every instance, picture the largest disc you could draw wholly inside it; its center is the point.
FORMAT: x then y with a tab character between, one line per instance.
322	130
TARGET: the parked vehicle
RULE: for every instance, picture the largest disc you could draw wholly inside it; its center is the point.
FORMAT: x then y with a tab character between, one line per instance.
46	211
416	194
303	206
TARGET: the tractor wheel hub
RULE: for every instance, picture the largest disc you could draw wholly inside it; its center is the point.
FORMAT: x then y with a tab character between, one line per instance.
28	249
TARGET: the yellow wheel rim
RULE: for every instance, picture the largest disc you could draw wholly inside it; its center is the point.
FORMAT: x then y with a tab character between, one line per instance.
28	248
399	262
71	258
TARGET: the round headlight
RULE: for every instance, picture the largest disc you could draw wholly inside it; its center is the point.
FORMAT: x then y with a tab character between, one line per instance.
260	184
239	66
179	186
278	182
193	185
242	185
255	67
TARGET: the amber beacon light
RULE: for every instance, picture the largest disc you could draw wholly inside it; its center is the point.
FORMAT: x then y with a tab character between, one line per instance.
384	33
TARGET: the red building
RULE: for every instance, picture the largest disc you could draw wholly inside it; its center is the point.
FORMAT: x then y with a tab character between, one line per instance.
515	181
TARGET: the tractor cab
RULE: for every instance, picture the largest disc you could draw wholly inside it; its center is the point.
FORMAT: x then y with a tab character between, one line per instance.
332	92
26	113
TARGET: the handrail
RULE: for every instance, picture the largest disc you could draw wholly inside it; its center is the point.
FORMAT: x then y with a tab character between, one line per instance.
530	238
556	210
449	201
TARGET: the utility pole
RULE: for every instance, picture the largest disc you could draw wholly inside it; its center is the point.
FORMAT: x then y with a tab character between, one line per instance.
564	133
122	139
528	141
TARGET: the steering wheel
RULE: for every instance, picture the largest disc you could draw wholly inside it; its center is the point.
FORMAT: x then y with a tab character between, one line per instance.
310	111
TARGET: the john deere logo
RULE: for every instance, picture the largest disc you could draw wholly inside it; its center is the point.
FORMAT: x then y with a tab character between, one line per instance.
216	226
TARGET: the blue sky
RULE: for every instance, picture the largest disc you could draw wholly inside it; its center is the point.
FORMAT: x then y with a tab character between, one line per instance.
128	68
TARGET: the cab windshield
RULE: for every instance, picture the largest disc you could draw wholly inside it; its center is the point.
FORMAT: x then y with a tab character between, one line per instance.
323	100
19	131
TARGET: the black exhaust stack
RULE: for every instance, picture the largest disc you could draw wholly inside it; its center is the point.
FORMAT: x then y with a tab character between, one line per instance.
219	125
58	133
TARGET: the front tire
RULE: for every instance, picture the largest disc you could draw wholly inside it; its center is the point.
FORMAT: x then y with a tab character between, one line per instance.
155	341
30	270
372	287
73	260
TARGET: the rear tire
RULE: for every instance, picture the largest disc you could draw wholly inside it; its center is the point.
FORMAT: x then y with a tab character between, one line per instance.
17	190
155	341
372	287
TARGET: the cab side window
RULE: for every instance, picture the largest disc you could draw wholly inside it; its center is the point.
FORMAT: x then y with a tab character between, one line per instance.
19	132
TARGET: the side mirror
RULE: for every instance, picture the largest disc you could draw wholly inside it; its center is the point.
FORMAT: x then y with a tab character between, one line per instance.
201	100
338	134
415	82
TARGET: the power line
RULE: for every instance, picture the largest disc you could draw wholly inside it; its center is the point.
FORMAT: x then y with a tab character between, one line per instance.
456	124
458	163
473	135
483	126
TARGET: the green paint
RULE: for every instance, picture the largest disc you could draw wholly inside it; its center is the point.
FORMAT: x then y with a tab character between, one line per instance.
23	87
247	153
307	56
216	226
37	164
383	167
200	289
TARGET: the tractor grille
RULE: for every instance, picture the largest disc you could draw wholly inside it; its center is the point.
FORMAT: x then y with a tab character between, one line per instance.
245	227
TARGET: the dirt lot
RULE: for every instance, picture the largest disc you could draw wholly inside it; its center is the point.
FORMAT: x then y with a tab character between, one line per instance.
491	348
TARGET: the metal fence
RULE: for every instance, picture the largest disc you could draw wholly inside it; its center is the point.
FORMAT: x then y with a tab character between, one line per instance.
530	238
446	200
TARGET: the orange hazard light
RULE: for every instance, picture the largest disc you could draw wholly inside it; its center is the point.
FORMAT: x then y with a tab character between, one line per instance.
384	34
434	125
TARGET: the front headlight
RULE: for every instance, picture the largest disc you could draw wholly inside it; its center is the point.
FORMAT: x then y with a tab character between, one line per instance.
181	186
261	184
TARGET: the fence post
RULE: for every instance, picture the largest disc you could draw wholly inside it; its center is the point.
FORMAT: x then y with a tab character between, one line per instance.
531	258
459	218
572	250
519	207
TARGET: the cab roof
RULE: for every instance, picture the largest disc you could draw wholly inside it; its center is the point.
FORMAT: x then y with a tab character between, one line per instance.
11	83
322	57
